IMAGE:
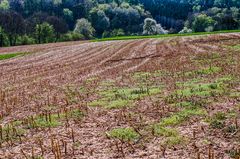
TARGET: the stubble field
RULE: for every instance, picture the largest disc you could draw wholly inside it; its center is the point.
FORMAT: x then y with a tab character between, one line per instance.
176	97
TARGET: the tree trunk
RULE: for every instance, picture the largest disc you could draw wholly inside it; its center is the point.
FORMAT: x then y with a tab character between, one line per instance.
1	40
39	37
15	40
10	40
57	37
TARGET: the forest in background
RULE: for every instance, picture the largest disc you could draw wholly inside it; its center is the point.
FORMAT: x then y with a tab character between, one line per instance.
25	22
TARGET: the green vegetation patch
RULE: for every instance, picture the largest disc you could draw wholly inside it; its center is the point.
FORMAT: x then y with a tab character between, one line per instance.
207	56
8	56
205	71
189	83
41	122
53	120
165	131
140	75
235	95
236	47
11	132
107	83
120	97
173	140
218	120
194	92
123	134
181	116
75	114
91	79
14	130
170	136
147	75
203	89
184	104
164	127
146	79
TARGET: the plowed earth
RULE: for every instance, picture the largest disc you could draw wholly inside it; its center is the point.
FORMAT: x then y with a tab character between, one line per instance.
179	97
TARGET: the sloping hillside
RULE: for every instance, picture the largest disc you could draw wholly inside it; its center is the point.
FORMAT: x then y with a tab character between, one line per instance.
175	97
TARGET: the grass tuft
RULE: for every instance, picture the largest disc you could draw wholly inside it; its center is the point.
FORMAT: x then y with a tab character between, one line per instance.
218	120
123	134
181	116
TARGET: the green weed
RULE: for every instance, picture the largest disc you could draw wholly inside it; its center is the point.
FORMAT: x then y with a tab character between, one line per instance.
147	78
170	136
123	134
184	104
164	131
181	116
75	114
234	153
231	129
173	140
11	132
218	120
41	122
53	120
201	89
236	47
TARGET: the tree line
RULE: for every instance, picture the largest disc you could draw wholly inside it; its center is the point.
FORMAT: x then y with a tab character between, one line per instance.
43	21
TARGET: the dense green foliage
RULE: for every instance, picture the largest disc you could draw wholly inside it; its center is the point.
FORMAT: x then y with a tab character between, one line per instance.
43	21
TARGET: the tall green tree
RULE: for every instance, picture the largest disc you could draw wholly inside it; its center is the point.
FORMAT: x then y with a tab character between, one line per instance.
31	6
44	33
151	27
4	5
202	22
84	27
99	21
13	25
68	17
59	26
2	37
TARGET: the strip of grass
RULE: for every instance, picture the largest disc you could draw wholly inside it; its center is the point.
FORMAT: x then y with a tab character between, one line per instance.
163	35
8	56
